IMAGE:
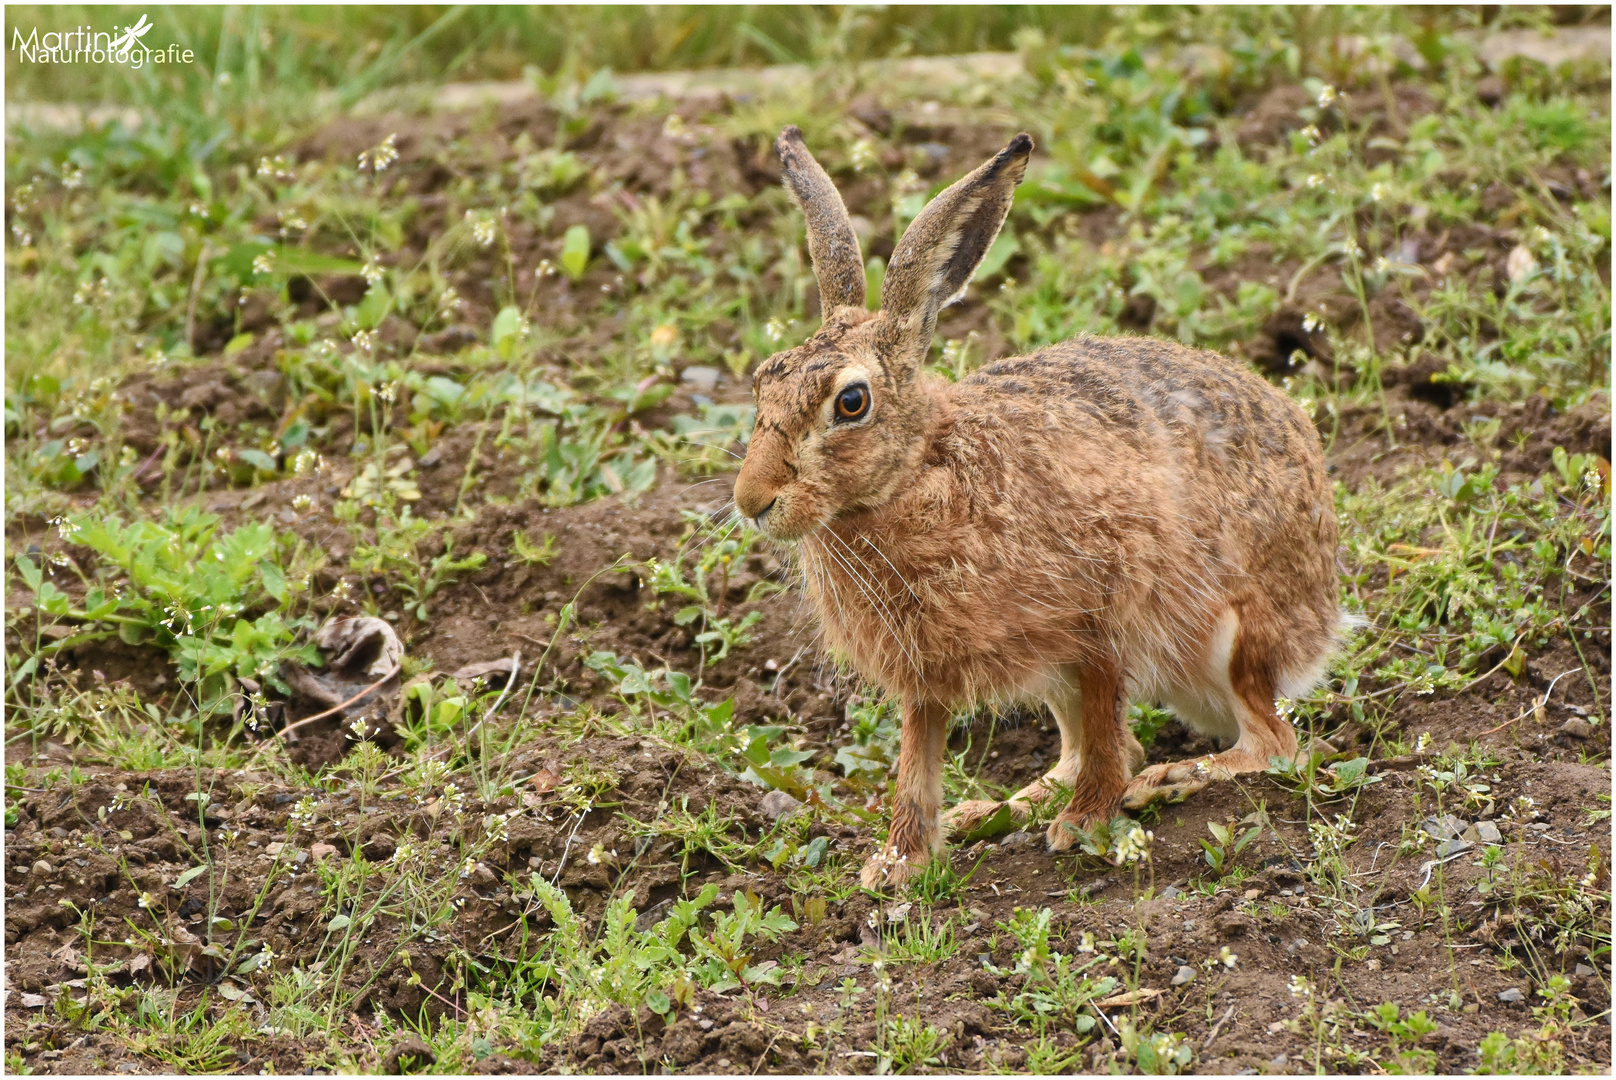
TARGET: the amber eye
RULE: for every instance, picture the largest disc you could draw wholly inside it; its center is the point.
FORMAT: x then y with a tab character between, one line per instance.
853	402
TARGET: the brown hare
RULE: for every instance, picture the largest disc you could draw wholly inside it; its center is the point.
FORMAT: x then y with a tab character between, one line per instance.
1104	519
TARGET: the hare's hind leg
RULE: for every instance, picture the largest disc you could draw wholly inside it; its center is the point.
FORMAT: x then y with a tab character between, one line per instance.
918	802
1249	689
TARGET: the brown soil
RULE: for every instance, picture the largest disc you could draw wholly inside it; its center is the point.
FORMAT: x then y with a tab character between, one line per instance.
62	848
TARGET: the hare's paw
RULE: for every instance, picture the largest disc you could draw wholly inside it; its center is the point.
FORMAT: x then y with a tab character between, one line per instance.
889	869
1173	781
1072	824
970	815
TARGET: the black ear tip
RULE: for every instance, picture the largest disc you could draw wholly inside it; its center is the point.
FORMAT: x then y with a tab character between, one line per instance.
790	138
1020	145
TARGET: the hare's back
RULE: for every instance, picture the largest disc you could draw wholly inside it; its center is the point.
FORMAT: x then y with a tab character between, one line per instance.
1157	397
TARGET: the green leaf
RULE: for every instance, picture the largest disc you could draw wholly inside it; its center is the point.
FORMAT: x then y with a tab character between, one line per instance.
659	1003
52	600
1002	821
258	460
298	260
575	252
506	333
237	344
373	308
189	876
31	574
341	922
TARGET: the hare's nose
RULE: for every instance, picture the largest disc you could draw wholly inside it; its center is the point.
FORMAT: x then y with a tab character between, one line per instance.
763	513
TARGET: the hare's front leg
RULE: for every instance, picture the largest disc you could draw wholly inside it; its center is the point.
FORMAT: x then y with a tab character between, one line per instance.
1064	777
916	807
1109	752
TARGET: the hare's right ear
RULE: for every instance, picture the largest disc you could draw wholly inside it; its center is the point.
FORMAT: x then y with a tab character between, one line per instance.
941	249
832	244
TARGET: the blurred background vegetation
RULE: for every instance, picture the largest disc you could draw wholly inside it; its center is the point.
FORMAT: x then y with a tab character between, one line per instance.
352	50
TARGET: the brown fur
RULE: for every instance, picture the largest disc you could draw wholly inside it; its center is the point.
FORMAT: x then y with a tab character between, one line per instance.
1099	520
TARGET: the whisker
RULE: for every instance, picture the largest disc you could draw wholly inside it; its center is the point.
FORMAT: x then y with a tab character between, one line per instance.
877	606
865	537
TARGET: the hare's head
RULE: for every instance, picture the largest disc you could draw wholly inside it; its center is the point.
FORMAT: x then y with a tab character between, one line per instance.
842	418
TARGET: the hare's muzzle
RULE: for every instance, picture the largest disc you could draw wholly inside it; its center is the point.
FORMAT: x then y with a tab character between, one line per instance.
754	495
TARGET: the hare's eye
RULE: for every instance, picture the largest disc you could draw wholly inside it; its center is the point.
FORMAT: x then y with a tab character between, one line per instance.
853	402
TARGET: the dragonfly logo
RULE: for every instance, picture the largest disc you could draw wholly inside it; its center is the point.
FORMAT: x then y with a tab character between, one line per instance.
86	45
131	36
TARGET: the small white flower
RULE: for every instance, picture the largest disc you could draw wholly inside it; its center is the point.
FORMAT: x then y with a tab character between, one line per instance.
1327	96
378	158
863	155
262	264
371	272
482	228
1377	192
364	340
775	331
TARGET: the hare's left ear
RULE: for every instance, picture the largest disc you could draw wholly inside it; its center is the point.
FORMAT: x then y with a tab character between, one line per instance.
941	249
832	244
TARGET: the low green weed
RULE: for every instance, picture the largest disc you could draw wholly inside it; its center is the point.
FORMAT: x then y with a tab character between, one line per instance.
178	584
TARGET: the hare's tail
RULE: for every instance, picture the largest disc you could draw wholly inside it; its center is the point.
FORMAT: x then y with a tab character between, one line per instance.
1299	681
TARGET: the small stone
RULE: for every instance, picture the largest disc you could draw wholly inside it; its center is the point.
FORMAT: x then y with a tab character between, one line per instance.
33	1001
320	851
1584	970
1185	976
1172	892
43	868
777	804
1449	848
1512	995
1252	894
1540	826
700	378
59	832
1487	833
1577	728
1445	827
1015	839
534	862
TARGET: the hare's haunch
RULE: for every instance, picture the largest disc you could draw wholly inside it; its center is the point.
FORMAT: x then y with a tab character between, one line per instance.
1105	519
